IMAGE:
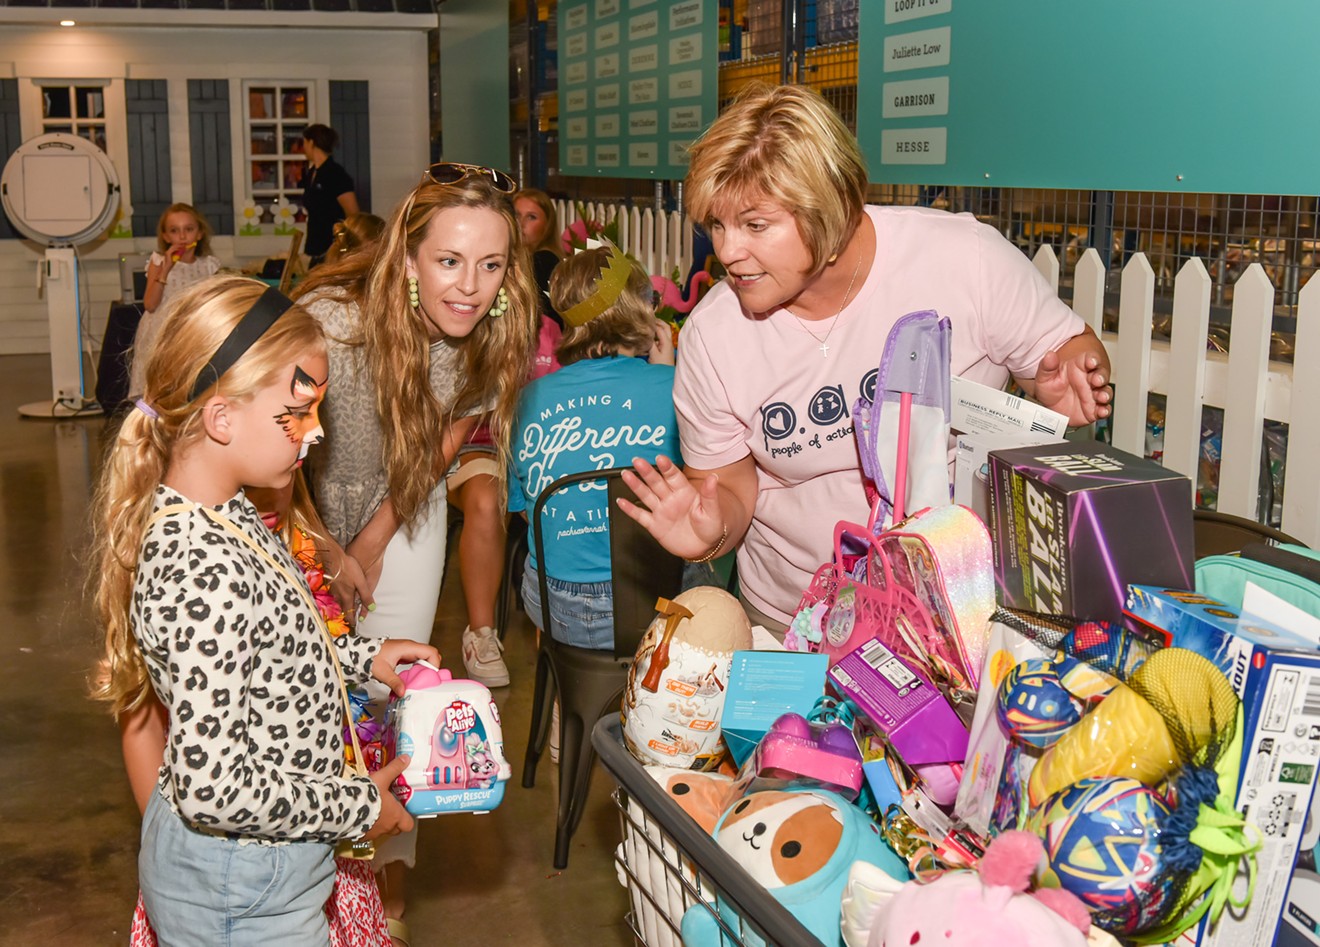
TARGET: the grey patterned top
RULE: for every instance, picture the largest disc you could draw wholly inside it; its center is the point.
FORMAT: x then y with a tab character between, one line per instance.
348	468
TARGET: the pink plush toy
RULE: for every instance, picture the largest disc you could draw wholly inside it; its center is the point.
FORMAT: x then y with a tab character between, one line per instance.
992	906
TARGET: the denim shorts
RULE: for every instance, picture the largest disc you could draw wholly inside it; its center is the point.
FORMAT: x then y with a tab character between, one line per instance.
581	613
214	891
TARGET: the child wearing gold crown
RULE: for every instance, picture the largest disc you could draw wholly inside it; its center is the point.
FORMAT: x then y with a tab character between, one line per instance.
612	401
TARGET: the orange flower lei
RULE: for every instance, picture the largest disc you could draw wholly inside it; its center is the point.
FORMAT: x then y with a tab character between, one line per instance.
308	557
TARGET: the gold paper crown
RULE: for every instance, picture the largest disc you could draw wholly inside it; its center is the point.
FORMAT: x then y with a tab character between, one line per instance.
609	286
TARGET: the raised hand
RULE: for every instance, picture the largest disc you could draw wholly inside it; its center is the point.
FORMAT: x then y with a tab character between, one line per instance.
686	520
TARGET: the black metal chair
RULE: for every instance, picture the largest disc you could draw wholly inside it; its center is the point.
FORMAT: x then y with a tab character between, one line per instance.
1216	533
590	683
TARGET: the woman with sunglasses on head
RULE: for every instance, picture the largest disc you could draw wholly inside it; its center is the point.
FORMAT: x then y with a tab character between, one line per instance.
773	358
432	327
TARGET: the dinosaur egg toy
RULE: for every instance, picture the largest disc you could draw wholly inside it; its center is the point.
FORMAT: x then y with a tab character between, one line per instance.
675	694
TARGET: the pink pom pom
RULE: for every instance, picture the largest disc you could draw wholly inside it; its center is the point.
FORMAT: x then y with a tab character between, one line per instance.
1011	860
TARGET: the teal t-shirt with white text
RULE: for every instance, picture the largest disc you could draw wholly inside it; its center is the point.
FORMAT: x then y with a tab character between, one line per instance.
590	415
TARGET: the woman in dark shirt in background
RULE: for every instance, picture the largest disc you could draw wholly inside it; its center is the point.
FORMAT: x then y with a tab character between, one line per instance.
327	190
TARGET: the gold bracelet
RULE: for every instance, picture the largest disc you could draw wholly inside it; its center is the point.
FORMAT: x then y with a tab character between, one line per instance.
714	550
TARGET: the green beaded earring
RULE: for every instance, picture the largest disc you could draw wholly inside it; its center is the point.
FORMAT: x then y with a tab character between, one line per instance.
501	304
414	299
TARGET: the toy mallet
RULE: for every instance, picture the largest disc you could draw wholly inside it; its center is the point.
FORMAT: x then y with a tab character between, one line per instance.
674	613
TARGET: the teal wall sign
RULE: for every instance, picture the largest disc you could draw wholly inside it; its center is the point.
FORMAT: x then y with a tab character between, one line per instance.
474	82
1157	95
637	84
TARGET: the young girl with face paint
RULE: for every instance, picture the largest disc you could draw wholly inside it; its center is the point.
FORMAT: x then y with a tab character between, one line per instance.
203	607
427	330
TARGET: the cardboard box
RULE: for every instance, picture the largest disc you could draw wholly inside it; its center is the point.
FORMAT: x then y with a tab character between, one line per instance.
1074	523
971	468
762	686
1205	625
1280	690
1281	754
904	706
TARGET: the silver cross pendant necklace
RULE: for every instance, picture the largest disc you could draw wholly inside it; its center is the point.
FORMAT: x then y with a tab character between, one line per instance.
824	347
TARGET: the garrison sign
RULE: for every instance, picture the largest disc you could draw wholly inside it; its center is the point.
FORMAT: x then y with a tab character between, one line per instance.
637	83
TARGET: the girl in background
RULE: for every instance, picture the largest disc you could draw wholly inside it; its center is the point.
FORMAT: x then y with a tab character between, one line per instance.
540	231
354	231
182	259
606	301
205	608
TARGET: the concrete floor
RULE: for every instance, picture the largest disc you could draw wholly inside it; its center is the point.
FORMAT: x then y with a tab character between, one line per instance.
68	825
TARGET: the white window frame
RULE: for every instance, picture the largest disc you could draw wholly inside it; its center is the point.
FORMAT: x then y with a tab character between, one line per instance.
75	123
266	197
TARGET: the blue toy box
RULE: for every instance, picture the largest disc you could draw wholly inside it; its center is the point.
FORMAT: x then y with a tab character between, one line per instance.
1277	675
762	686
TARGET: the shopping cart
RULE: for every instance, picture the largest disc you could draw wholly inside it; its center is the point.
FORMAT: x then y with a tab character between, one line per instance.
668	864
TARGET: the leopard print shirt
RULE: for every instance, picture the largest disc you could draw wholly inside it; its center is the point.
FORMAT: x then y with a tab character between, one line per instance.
255	743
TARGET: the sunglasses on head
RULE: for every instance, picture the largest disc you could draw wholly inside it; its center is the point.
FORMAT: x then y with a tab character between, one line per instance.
446	173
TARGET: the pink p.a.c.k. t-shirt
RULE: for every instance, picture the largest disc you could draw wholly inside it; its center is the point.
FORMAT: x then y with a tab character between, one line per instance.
760	385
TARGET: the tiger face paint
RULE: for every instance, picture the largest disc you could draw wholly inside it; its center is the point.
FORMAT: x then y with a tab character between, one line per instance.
301	419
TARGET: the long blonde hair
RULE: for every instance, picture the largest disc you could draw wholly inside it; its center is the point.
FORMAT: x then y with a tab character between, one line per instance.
141	452
497	353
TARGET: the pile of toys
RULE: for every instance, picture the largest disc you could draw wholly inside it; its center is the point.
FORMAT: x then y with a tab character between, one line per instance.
1107	773
1053	727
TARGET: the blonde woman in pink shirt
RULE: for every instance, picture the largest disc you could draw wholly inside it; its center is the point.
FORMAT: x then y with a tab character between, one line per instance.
773	358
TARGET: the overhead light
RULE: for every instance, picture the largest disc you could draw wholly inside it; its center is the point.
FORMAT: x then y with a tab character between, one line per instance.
68	23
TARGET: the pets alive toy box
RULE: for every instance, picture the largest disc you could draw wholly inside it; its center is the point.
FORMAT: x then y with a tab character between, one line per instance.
1074	523
451	729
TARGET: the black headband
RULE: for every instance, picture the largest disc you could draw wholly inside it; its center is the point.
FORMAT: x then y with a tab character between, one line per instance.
255	322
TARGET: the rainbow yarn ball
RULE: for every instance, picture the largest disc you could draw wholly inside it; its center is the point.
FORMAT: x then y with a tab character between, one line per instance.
1034	706
1102	839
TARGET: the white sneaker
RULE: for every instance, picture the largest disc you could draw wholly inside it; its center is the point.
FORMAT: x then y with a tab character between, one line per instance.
481	657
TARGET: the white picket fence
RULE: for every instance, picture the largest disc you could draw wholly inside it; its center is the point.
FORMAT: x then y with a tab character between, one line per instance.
662	241
1244	383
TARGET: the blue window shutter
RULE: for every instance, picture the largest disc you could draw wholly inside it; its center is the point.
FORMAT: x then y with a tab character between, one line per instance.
148	152
348	116
10	139
212	170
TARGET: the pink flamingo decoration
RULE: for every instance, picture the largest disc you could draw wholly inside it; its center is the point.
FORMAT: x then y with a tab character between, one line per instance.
671	296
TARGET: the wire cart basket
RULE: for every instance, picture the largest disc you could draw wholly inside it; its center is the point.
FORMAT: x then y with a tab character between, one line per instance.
669	864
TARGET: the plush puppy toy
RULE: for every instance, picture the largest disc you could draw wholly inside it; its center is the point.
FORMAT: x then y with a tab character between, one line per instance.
799	845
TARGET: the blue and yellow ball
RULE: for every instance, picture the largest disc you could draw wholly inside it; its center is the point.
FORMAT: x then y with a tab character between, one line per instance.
1102	839
1033	706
